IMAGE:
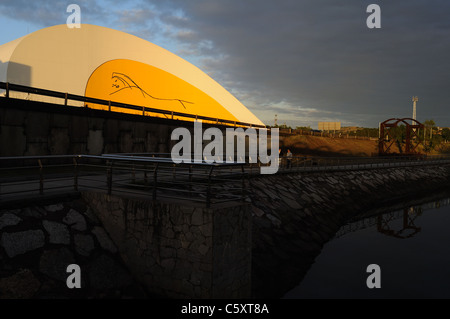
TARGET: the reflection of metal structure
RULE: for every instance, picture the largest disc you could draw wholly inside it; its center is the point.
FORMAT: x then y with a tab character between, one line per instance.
369	221
389	131
409	215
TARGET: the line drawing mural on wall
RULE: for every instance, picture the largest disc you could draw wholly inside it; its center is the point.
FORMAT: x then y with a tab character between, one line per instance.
122	81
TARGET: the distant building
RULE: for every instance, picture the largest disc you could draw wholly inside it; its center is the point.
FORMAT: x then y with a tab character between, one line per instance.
329	126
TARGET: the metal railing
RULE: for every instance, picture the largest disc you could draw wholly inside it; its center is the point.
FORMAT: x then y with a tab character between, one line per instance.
313	163
154	178
337	134
123	107
304	163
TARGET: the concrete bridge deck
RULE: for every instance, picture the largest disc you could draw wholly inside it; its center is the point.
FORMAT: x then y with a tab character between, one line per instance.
195	182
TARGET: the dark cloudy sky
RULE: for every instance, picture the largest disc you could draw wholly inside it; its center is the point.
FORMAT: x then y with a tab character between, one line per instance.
304	60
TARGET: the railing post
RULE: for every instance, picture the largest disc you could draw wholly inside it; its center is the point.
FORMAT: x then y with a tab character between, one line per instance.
65	99
145	175
190	179
41	178
109	105
109	176
75	174
155	180
208	190
7	89
243	183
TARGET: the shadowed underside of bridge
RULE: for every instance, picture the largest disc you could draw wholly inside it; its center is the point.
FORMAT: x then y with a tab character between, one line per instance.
29	128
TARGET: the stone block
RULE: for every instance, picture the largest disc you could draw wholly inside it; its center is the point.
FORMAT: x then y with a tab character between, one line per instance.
53	263
206	230
84	244
151	145
37	125
12	117
96	123
22	242
104	240
111	131
9	220
58	233
203	249
125	142
167	252
54	208
95	142
59	120
12	140
140	130
168	264
36	212
197	217
79	128
75	220
59	141
22	285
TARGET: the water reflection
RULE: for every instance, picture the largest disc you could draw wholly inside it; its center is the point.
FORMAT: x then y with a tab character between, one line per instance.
416	267
408	228
399	224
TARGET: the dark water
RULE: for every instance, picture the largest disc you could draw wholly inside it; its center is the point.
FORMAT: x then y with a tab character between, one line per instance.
411	246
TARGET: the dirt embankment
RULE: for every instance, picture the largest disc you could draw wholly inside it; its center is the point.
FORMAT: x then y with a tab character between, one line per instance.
326	146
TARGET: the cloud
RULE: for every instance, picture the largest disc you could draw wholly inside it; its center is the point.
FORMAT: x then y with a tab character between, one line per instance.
304	60
321	55
135	16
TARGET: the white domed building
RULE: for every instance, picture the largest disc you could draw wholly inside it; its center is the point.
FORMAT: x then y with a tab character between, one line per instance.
107	64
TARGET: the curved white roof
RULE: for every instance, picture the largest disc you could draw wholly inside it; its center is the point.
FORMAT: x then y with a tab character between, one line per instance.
62	59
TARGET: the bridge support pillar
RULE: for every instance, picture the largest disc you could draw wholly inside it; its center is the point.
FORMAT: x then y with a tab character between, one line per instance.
180	250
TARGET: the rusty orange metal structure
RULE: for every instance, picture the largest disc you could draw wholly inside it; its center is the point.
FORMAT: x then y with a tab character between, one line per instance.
387	137
409	229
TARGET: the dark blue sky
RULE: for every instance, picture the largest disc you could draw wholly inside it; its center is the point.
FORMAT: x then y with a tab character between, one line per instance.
304	60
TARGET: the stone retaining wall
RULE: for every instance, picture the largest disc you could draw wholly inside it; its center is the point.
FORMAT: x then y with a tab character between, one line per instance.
294	215
38	243
181	250
260	250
